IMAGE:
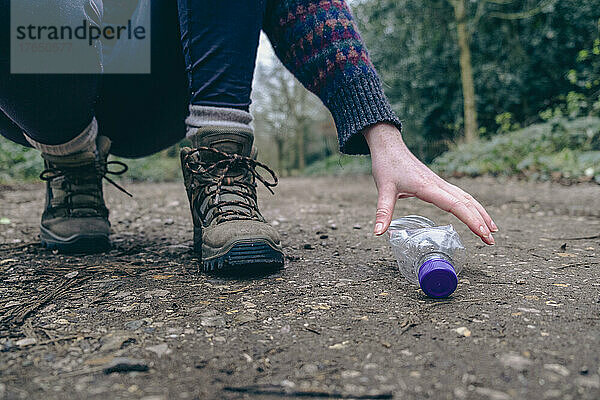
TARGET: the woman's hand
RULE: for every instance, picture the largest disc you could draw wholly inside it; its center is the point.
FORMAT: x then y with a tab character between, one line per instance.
399	174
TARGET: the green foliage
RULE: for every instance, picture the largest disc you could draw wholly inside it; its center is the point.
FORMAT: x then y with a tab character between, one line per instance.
159	167
520	65
506	123
585	100
340	165
558	149
18	163
22	164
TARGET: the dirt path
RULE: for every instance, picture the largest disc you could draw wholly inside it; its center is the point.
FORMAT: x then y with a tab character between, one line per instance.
338	321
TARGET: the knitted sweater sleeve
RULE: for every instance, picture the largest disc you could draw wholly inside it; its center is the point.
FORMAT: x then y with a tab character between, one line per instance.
318	41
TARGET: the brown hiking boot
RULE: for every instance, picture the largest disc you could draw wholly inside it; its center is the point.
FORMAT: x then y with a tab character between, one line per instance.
75	219
229	231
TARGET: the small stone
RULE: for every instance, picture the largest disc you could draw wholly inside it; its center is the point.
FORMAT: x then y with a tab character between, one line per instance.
308	246
333	227
216	321
115	342
552	393
463	331
72	274
557	368
26	342
124	364
288	383
515	361
178	249
160	349
8	346
244	317
592	381
310	369
529	310
135	325
157	293
324	237
492	394
357	226
460	393
338	346
350	374
169	221
285	329
563	247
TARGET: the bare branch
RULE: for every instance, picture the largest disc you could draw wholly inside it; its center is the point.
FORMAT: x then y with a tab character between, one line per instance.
523	14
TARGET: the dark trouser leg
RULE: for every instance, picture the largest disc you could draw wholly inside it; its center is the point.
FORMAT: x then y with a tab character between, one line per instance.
51	109
143	114
220	40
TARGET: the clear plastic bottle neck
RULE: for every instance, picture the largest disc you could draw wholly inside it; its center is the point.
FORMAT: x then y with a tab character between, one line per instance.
434	255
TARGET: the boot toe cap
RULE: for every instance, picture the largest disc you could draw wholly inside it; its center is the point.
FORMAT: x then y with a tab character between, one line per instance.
66	229
231	232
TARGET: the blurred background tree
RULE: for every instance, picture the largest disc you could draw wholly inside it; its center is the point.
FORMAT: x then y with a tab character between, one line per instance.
293	127
521	52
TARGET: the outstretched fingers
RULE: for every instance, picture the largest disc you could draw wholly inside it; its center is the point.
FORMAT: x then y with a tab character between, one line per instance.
458	192
386	201
460	206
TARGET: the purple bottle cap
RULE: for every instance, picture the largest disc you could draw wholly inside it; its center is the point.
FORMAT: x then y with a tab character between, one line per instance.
437	278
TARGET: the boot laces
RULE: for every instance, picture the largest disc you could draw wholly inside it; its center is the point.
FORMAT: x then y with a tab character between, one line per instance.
214	174
75	177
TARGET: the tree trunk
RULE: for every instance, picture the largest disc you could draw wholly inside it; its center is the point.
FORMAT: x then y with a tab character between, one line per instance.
279	144
466	72
300	145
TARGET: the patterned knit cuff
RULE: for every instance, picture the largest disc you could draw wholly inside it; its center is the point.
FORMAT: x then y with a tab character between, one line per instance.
355	105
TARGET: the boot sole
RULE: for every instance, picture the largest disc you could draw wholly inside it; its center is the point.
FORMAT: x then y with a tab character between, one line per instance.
247	258
83	243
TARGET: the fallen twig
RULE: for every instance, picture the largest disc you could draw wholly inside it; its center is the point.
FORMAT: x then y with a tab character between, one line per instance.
576	237
576	265
59	339
312	330
73	373
238	290
26	310
102	295
438	303
275	390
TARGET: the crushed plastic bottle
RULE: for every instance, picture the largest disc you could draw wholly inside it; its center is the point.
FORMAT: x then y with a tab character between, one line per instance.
428	255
